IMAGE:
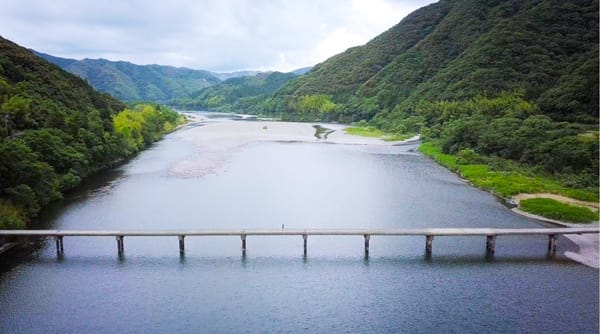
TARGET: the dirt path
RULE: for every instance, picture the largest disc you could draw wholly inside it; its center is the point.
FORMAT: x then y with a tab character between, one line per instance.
592	205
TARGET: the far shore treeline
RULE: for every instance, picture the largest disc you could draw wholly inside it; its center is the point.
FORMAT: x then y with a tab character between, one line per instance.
55	130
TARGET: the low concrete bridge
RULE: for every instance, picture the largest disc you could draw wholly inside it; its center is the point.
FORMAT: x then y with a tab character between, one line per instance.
490	235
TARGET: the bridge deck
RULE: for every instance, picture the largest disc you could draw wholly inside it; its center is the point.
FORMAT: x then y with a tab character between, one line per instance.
357	232
428	233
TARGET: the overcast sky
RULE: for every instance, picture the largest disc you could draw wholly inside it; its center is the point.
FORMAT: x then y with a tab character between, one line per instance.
220	35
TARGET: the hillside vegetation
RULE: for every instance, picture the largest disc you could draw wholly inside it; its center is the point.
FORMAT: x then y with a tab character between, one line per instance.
236	94
131	82
55	130
513	81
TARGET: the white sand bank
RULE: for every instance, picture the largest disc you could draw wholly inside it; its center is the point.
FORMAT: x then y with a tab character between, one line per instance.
217	140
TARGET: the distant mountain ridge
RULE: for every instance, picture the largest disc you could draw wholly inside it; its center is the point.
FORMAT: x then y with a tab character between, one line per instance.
158	83
130	82
236	74
236	94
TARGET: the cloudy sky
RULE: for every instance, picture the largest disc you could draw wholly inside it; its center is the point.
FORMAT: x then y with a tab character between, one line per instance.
219	35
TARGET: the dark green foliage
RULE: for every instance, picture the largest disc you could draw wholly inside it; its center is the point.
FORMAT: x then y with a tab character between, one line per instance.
456	50
130	82
11	217
508	127
236	94
55	130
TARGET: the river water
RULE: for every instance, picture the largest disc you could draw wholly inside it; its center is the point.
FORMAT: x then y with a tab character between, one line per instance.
213	289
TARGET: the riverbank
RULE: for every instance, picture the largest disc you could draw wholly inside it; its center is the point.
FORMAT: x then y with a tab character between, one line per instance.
41	165
517	187
589	245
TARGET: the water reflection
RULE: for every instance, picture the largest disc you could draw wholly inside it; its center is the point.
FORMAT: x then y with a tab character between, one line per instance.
215	288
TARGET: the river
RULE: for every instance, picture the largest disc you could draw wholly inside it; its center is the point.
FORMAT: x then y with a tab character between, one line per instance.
274	288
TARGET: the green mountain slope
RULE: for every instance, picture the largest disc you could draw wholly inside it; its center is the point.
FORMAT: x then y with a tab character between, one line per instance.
131	82
236	94
55	130
515	80
461	49
342	75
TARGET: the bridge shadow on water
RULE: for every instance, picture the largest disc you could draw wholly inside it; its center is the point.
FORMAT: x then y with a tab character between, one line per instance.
191	261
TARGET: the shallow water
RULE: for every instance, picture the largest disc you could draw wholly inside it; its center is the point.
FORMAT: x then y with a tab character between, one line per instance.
274	288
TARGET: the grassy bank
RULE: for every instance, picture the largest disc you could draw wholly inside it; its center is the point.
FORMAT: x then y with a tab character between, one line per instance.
505	183
550	208
369	131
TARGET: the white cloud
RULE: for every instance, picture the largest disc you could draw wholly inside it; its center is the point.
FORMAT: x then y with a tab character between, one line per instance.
338	41
216	35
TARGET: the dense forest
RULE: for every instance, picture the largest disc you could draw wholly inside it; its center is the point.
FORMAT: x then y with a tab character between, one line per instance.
235	94
55	129
176	86
130	82
505	79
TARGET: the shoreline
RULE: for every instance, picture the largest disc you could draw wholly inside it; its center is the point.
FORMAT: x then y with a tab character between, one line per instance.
589	245
218	139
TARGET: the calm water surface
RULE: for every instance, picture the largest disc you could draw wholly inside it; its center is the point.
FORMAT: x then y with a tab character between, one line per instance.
213	289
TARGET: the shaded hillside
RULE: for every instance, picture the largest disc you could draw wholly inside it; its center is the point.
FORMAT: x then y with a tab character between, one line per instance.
131	82
236	94
55	129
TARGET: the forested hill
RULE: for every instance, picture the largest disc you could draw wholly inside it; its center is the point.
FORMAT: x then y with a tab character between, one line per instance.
508	79
131	82
236	94
55	129
459	49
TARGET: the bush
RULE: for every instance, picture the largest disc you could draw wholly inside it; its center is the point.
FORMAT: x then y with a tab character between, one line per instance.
11	217
468	156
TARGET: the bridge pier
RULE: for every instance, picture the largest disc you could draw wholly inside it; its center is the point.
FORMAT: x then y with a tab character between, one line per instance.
243	236
367	239
428	244
60	250
490	244
305	237
120	245
181	244
552	238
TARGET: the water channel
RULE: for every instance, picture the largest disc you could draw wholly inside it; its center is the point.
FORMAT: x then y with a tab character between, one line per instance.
213	289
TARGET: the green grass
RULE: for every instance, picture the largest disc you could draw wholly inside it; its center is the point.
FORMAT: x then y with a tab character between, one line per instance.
373	132
504	183
556	210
